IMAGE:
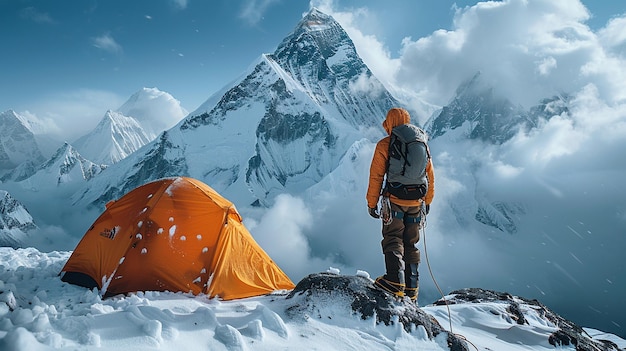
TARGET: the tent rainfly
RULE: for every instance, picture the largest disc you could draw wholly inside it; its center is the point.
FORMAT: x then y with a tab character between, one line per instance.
173	234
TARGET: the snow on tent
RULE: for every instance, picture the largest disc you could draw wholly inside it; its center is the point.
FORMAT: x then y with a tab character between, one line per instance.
173	234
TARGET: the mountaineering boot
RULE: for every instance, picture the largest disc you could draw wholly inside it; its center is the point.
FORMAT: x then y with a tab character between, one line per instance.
393	280
412	281
393	288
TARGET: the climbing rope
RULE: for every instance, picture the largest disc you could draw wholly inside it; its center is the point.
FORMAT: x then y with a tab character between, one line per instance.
423	229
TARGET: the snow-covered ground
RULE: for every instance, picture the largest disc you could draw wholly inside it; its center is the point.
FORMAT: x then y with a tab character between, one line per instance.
39	312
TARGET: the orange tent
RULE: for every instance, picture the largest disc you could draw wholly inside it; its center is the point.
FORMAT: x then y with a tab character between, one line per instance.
173	234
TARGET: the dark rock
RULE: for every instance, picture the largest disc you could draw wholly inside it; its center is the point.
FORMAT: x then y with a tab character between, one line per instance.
363	299
568	333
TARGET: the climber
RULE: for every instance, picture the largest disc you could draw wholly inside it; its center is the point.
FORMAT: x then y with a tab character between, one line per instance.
401	189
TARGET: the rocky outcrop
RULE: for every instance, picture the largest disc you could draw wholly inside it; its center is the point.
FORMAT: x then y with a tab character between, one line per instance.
567	333
361	298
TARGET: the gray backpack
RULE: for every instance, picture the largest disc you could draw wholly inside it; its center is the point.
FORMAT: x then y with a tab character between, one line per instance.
406	167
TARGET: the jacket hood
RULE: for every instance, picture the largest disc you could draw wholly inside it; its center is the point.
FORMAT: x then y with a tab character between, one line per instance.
395	117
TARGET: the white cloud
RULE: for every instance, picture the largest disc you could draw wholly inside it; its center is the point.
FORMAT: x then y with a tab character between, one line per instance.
545	65
254	10
504	40
365	84
180	4
107	43
528	49
280	232
41	125
33	14
614	35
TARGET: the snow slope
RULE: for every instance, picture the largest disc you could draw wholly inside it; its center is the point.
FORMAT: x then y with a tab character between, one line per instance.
39	312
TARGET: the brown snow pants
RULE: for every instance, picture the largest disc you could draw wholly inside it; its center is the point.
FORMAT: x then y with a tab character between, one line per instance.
399	240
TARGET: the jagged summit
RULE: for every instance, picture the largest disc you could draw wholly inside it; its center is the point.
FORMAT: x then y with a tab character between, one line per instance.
321	56
66	166
316	21
114	138
486	114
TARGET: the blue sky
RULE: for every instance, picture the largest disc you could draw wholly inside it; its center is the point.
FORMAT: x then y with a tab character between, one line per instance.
75	59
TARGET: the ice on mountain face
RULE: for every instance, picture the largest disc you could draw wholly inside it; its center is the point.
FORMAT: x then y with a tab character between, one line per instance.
316	21
288	147
326	63
504	216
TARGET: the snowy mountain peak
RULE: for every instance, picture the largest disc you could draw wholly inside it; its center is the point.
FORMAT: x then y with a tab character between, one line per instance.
65	166
281	127
326	62
15	221
155	110
485	113
114	138
17	141
316	20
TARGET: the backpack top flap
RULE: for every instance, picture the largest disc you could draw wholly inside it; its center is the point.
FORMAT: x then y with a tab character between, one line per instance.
408	155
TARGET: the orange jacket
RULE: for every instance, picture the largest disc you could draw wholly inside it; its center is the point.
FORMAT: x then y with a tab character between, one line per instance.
395	117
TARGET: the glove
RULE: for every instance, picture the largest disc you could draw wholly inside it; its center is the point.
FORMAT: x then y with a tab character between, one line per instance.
373	211
427	209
